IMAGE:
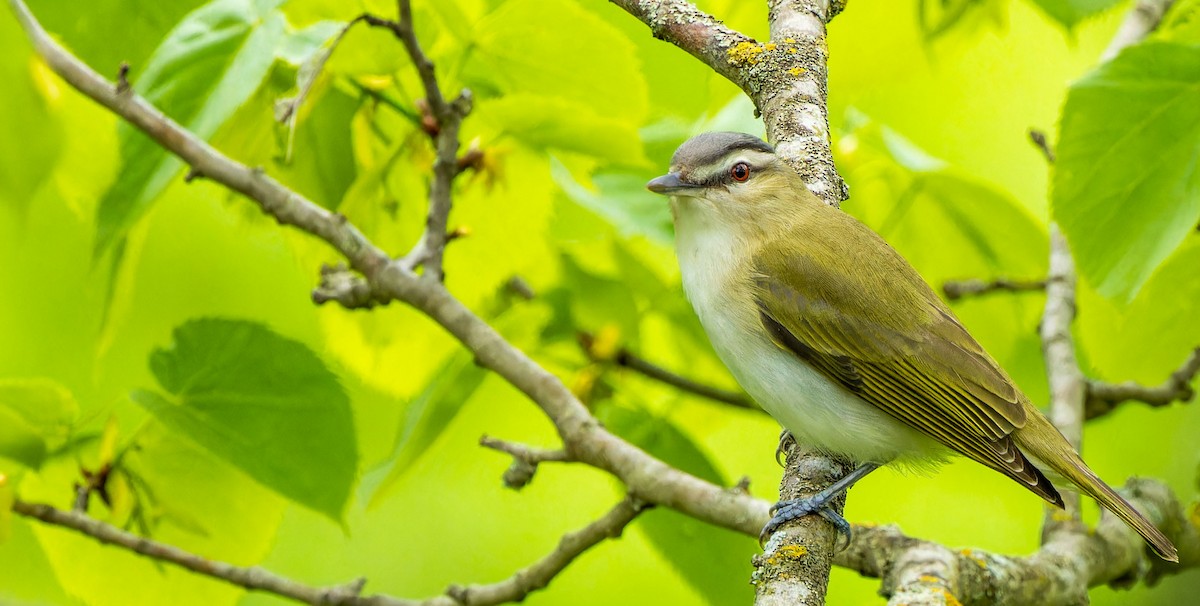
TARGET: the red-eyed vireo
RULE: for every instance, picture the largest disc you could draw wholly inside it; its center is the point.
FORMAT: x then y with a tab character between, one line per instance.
837	336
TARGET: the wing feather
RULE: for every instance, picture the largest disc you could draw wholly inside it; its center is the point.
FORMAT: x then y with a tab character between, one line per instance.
897	346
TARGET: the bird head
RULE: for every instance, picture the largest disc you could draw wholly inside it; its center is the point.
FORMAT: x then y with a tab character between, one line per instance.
727	178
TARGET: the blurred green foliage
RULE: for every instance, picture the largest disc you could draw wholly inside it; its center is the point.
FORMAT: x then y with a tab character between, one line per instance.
326	444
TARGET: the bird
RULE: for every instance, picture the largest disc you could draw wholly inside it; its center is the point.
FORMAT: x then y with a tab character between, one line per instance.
838	337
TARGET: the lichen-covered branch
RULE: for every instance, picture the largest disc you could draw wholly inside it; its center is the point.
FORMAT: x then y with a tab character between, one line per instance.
921	573
1103	398
789	84
699	34
961	289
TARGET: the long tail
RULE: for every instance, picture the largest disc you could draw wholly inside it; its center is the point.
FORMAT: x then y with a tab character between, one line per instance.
1044	442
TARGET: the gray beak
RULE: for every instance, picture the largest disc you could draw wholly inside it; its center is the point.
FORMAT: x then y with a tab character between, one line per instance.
669	183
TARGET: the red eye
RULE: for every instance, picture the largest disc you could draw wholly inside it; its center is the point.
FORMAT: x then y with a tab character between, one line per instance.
740	172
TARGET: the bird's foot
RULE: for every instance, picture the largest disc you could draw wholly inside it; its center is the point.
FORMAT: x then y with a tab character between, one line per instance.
786	441
787	511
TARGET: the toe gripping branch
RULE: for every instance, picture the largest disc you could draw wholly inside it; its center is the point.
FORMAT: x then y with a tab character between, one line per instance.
787	511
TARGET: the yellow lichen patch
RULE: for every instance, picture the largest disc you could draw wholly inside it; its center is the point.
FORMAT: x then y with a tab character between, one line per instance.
745	52
790	40
970	555
792	49
769	46
926	578
787	553
950	599
796	71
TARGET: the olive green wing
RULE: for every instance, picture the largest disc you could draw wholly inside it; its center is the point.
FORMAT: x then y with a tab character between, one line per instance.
894	343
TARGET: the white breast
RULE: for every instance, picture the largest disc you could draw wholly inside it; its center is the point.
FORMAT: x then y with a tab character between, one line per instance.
818	412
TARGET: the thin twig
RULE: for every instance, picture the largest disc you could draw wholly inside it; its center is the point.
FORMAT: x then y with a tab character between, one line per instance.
429	250
253	578
961	289
627	359
525	460
1103	398
517	587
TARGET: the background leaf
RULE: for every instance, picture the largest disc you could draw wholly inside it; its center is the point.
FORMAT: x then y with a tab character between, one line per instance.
204	69
262	402
1127	179
1071	12
35	418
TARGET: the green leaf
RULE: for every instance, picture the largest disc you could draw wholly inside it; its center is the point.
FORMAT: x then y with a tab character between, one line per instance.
1181	23
205	68
33	136
620	198
321	166
524	46
715	561
6	503
555	123
1127	181
35	418
264	403
428	415
1071	12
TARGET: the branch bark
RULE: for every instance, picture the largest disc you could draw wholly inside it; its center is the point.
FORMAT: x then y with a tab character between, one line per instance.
961	289
1103	398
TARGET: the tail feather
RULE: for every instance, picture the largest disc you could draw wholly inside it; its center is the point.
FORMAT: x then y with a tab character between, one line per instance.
1054	451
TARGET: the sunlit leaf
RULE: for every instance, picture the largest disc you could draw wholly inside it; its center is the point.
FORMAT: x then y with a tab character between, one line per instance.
35	418
1071	12
6	503
32	138
205	68
262	402
428	414
1127	180
556	123
621	198
522	46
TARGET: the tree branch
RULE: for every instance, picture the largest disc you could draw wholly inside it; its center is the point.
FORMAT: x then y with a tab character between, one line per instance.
646	477
789	85
537	576
525	460
692	30
447	118
961	289
1103	398
919	573
252	578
